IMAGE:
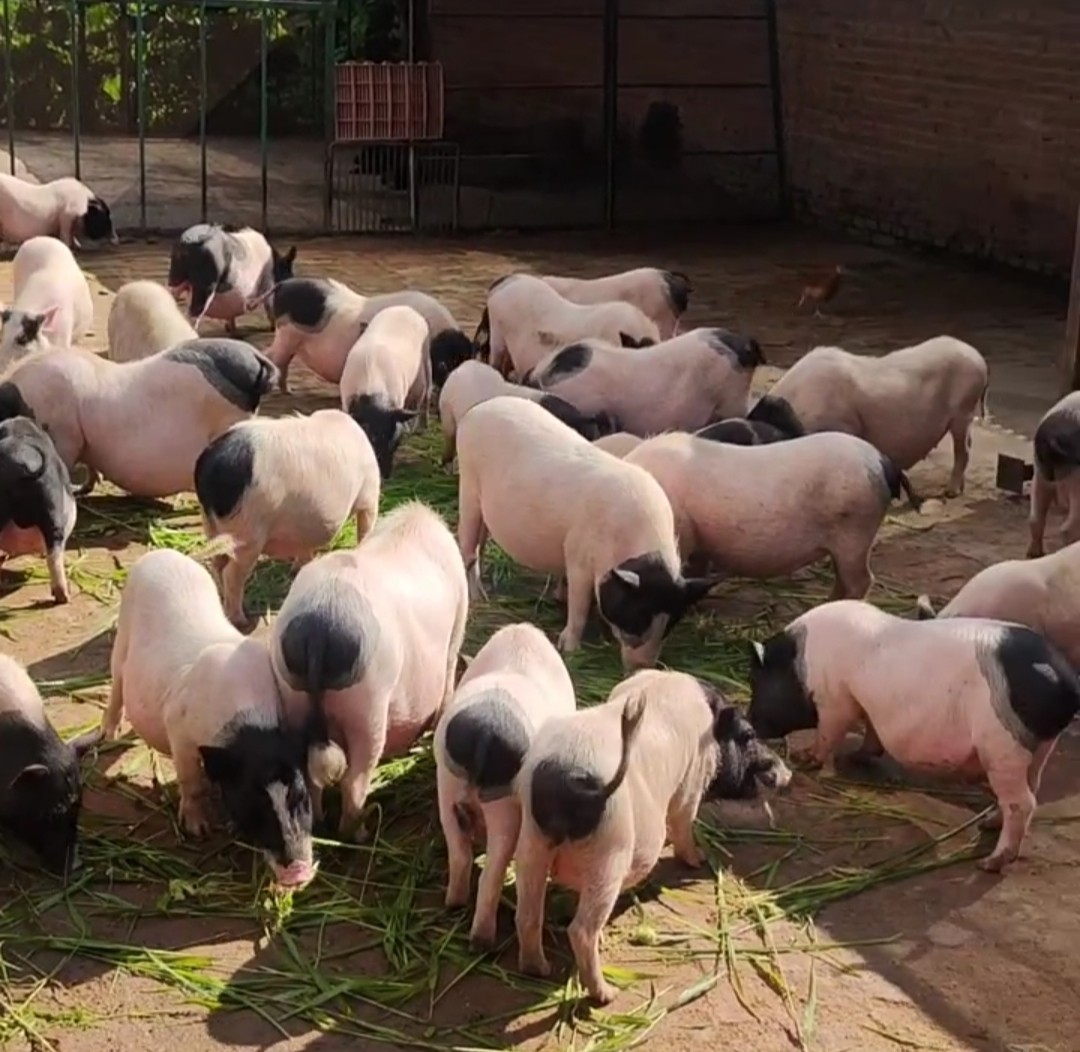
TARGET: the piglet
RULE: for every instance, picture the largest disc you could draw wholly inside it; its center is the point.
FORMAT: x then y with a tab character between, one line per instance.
976	697
52	305
40	789
365	649
387	379
196	690
514	685
1043	594
283	486
63	208
227	271
604	789
556	504
1057	456
143	320
37	506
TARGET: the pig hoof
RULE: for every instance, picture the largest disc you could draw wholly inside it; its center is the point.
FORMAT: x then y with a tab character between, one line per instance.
1035	551
481	941
997	861
567	643
537	966
455	899
992	821
692	857
954	491
194	820
61	596
603	994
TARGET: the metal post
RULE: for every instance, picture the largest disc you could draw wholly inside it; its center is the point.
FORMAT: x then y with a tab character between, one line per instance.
75	118
10	72
783	202
329	87
202	110
414	189
611	106
1070	359
140	102
263	110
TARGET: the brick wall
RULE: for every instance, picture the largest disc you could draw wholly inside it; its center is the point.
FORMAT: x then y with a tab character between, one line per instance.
952	122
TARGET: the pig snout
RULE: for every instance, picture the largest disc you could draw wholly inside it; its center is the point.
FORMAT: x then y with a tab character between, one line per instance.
295	875
772	773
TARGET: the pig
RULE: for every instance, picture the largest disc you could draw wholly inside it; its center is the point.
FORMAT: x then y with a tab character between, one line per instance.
603	789
527	320
366	647
283	487
319	320
957	694
904	402
63	208
17	168
387	380
618	443
143	320
37	506
474	382
143	424
767	511
738	431
662	295
678	385
1043	594
558	505
1057	455
514	685
52	304
196	690
227	271
40	787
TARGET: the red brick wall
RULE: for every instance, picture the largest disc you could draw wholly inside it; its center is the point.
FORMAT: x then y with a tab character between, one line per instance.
953	122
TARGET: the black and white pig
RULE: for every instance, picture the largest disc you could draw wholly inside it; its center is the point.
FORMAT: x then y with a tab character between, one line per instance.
604	789
1056	479
963	695
283	486
904	402
319	321
528	320
37	506
142	424
678	385
63	208
829	491
227	271
40	788
365	650
514	685
558	505
474	382
738	431
198	691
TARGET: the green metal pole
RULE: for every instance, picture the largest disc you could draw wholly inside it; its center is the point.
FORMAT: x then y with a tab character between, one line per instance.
202	109
75	119
329	12
263	110
9	69
140	97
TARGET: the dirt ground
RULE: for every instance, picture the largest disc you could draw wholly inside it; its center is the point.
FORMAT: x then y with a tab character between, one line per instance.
947	960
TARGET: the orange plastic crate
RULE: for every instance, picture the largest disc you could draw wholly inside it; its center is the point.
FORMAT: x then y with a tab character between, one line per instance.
389	100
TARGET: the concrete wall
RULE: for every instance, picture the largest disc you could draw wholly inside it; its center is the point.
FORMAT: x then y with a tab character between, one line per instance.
952	122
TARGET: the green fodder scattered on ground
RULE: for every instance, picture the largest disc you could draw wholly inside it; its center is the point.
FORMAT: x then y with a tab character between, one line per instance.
369	950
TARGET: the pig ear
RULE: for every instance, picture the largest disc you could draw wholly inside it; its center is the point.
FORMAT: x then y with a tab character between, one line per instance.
628	577
30	774
403	416
220	765
757	654
47	318
696	588
290	256
5	315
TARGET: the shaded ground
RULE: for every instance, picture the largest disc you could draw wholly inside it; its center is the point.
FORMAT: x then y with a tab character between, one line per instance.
839	929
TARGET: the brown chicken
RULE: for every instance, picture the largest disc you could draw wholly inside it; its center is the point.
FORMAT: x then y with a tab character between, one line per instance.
819	292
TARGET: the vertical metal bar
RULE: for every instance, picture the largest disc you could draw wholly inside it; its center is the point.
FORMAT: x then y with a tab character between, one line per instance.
783	202
75	114
9	70
202	111
611	106
140	96
263	112
329	14
1070	358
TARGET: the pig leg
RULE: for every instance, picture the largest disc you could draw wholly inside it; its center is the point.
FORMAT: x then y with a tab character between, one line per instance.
365	519
364	751
234	577
92	479
472	535
595	904
114	712
852	569
194	791
458	844
681	832
457	639
834	722
531	865
281	352
1042	496
578	604
993	819
55	537
871	748
961	437
449	451
503	820
1070	489
1016	802
560	590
